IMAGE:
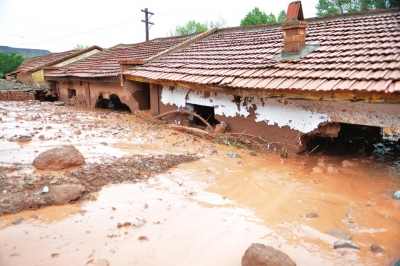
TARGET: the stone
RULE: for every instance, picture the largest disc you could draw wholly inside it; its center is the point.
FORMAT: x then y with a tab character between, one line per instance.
59	158
345	244
347	163
18	221
221	128
261	255
63	194
233	155
23	138
376	248
77	132
251	153
310	215
339	233
143	238
332	169
101	262
317	170
45	189
396	195
321	162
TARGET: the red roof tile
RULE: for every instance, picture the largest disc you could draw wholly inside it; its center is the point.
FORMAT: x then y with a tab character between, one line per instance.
105	63
36	63
360	52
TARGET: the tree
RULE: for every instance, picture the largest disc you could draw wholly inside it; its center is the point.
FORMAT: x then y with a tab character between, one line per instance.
192	27
256	17
327	7
282	16
80	47
9	62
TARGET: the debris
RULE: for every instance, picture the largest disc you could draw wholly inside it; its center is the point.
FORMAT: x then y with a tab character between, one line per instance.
54	255
396	195
233	155
18	221
45	189
28	182
310	215
345	244
339	233
143	238
251	153
376	248
317	170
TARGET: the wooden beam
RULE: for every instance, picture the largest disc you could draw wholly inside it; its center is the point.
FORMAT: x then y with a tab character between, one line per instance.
329	96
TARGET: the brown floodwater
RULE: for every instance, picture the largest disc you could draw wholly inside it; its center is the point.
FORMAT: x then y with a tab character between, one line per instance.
206	212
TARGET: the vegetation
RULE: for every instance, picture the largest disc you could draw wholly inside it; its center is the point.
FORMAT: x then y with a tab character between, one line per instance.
192	27
25	52
256	17
80	47
328	7
9	62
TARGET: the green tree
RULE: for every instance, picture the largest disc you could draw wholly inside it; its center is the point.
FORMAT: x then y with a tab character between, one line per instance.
256	17
9	62
80	47
282	16
192	27
327	7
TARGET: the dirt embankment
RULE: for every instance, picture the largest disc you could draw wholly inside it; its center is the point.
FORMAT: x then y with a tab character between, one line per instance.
26	191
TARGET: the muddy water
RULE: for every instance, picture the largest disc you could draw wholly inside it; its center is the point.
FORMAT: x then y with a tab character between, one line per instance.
202	213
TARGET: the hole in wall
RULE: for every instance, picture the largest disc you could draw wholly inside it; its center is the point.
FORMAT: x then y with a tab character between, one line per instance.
206	112
111	102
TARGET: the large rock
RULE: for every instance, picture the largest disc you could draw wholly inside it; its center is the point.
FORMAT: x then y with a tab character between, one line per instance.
63	194
261	255
59	158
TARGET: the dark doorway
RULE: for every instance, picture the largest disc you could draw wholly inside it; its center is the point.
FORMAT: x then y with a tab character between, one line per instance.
113	103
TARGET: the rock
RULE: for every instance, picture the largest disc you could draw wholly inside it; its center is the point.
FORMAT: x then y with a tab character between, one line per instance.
59	158
347	163
213	151
321	162
143	238
221	128
23	138
59	103
332	169
252	153
317	170
63	194
396	195
28	182
339	233
310	215
234	155
345	244
261	255
41	137
156	136
45	189
77	132
376	248
18	221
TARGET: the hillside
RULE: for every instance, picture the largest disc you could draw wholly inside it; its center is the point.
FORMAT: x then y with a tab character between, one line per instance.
25	52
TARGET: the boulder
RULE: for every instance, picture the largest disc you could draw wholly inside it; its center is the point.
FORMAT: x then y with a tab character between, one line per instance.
59	158
261	255
63	194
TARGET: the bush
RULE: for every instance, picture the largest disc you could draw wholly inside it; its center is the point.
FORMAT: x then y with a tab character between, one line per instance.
9	62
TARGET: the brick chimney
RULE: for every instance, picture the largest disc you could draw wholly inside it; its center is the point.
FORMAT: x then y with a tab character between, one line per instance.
294	29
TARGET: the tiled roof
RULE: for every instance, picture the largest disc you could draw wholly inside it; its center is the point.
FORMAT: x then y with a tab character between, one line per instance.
358	52
105	63
39	62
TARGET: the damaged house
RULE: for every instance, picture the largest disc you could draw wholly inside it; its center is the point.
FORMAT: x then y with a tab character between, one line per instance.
286	83
96	81
32	70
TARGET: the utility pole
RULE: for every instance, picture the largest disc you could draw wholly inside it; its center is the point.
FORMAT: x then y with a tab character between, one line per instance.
147	22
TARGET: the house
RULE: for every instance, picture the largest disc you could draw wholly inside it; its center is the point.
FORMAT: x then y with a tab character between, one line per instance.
96	81
286	83
33	69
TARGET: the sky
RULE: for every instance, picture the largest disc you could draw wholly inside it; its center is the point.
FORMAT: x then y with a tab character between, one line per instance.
59	25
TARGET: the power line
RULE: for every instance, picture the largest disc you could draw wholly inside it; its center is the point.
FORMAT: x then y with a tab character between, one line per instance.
147	22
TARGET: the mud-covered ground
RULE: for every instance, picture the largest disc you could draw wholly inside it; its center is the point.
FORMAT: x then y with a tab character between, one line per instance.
155	196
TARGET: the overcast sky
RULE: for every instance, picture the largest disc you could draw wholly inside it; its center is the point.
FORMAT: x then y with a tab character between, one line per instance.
59	25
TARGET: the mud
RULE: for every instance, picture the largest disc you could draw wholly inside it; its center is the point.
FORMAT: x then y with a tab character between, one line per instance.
206	209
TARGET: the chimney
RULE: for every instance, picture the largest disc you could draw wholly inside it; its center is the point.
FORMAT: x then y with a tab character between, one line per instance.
294	29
